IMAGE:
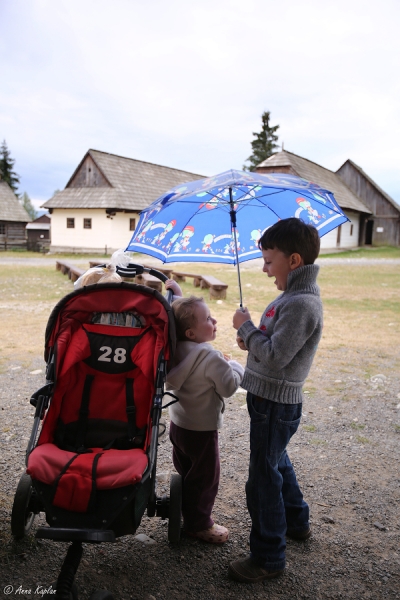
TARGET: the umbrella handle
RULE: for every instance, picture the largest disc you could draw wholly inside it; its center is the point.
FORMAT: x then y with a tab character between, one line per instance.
232	213
238	269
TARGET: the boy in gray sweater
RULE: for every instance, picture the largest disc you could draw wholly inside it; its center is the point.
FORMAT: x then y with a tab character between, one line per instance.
280	354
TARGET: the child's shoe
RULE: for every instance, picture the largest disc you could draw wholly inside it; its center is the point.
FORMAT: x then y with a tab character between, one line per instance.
246	570
300	536
213	535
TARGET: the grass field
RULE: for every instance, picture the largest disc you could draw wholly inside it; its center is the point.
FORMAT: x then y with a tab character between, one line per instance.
361	305
367	252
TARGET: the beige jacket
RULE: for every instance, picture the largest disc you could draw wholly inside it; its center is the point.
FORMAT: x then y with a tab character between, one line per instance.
201	379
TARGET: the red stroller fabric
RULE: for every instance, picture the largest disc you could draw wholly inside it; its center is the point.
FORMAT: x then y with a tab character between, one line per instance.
115	468
97	430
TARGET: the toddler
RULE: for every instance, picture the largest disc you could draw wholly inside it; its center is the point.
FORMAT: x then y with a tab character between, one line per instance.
201	377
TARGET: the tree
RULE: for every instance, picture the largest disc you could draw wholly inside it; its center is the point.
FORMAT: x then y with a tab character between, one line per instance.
264	143
6	168
28	206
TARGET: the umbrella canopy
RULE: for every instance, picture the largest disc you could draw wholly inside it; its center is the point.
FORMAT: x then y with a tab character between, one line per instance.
197	221
221	219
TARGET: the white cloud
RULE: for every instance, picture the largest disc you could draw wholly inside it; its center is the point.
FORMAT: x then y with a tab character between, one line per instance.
184	84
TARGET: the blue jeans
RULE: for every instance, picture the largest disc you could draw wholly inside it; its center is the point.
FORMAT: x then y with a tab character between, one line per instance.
274	499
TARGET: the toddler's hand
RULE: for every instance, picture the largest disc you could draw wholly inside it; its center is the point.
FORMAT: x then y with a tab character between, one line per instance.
241	316
240	343
172	285
227	357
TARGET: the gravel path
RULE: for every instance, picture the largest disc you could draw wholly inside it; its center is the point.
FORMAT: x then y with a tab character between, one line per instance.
346	454
254	264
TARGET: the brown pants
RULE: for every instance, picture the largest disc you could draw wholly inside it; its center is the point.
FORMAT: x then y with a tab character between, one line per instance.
196	458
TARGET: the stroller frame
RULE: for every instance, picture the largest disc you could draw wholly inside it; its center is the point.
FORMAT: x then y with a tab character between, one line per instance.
30	497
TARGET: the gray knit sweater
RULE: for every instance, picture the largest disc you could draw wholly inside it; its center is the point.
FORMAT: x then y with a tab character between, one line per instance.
282	348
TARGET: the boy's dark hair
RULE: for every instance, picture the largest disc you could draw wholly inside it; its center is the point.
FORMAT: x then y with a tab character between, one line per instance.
185	318
292	236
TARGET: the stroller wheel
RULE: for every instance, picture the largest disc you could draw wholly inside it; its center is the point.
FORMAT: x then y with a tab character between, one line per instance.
102	595
175	509
22	515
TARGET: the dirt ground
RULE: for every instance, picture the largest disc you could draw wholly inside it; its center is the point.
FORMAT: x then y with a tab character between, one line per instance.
346	455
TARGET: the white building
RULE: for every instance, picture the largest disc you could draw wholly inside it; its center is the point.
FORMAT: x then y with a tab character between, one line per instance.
99	208
349	235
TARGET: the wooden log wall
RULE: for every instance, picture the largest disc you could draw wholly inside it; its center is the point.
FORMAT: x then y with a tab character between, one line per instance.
385	217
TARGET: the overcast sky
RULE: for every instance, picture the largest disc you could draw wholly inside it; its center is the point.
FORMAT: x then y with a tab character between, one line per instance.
184	84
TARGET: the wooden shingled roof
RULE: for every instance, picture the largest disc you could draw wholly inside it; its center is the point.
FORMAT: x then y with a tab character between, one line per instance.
123	183
10	208
288	162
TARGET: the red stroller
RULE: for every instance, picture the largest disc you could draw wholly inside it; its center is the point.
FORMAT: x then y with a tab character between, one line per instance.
93	467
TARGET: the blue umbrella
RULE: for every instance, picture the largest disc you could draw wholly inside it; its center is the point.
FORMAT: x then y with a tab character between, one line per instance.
220	219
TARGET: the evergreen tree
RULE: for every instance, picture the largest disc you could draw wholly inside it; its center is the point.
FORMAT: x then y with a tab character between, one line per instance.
264	144
28	206
6	168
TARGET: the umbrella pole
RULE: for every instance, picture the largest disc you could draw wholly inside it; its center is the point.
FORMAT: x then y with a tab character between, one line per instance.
233	223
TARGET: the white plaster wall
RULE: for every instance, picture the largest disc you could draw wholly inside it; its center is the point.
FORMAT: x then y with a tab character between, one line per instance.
114	233
346	240
105	232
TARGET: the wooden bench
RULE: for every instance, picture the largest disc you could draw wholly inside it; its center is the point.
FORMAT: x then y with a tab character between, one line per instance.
74	273
150	281
180	276
217	288
96	263
63	266
66	268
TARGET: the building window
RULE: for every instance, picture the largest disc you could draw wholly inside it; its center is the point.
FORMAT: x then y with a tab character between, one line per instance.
2	228
338	236
87	223
70	223
132	224
351	229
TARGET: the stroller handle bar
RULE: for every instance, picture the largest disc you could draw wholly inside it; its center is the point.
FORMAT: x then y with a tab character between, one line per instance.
132	270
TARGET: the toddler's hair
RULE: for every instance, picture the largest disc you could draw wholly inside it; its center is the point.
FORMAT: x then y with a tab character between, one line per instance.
185	318
292	236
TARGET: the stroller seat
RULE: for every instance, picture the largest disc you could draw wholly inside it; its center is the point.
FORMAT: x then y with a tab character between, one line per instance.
96	432
102	469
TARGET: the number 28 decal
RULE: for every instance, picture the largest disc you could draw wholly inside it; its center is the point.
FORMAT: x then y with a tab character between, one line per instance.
119	355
